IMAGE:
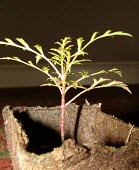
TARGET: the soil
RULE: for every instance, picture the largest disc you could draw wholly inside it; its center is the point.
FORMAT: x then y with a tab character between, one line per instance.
94	140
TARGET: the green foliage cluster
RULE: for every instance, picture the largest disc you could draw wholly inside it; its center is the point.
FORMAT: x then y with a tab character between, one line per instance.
63	57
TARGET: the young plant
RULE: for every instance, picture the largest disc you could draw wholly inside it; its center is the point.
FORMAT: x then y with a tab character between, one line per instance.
62	57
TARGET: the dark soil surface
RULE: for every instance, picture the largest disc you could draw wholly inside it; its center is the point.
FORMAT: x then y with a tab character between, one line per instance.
102	142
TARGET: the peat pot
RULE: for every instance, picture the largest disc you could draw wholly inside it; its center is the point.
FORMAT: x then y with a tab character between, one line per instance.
94	140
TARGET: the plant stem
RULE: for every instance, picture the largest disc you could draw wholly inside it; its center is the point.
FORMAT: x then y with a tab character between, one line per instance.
63	109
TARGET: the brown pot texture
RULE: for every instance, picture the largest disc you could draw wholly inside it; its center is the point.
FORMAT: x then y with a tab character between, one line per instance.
94	140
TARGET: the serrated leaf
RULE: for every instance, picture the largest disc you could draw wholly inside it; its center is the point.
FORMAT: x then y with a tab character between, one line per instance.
79	43
82	53
113	69
69	47
30	63
6	58
56	50
125	87
57	59
60	44
39	48
94	36
21	40
11	58
49	84
116	71
66	41
45	69
74	84
84	73
107	32
118	84
103	80
112	83
80	61
121	33
110	33
38	58
56	62
97	82
17	59
10	41
3	43
52	53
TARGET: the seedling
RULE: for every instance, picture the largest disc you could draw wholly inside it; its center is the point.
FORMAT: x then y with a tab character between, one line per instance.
61	61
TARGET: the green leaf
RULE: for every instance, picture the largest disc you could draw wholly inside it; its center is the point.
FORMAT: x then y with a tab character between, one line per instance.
56	50
3	43
80	61
84	73
38	58
22	42
11	58
79	43
61	52
39	48
66	41
49	84
110	33
10	41
81	53
115	70
17	59
60	44
94	36
56	60
118	84
124	86
101	80
69	47
107	32
30	63
52	53
74	84
121	33
6	58
45	69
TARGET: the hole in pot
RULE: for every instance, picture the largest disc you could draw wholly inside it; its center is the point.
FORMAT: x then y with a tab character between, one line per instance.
41	138
114	143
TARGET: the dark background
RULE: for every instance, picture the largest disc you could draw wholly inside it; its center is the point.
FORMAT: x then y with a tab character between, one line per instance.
46	21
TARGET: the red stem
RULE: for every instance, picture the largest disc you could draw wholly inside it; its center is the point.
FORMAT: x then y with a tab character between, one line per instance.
63	108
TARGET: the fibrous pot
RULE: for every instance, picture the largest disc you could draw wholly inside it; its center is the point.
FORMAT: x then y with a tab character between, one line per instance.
94	140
